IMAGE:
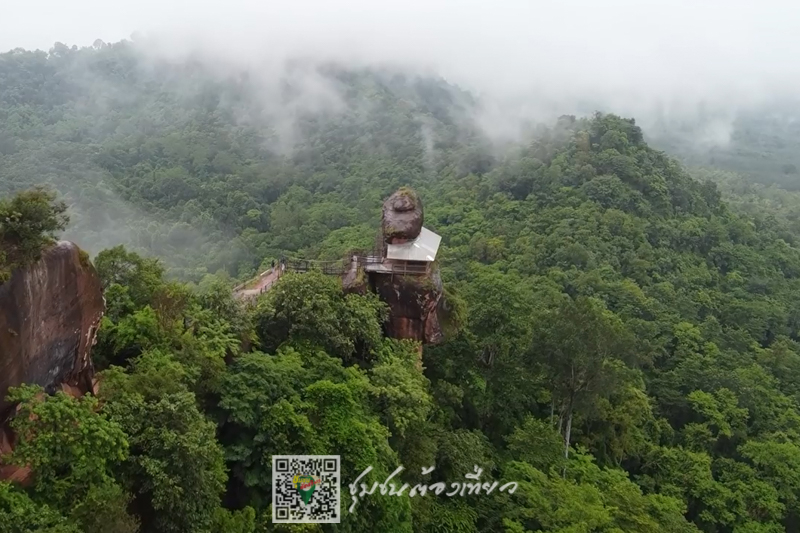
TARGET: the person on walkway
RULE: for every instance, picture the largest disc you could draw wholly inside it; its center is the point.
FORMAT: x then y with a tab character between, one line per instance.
272	269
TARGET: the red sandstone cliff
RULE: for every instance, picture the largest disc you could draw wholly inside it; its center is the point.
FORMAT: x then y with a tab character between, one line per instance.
413	306
49	315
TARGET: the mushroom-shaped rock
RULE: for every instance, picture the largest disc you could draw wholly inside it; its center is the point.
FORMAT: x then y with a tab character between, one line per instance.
402	216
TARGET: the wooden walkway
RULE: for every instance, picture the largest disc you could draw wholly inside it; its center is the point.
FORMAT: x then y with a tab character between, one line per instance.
369	263
264	282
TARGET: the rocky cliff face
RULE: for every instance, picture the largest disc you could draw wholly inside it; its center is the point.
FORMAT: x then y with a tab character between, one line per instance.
414	303
49	315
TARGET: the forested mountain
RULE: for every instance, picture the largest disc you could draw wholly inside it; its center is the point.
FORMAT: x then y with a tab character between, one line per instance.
625	344
206	170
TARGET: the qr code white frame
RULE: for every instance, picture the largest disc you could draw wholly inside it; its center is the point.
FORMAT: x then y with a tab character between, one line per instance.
330	478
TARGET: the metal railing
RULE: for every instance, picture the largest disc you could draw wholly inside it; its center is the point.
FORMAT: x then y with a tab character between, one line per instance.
241	290
407	268
338	267
341	267
335	268
269	285
241	286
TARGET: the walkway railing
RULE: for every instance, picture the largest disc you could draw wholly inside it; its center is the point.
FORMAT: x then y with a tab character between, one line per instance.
369	261
250	281
334	268
269	285
405	268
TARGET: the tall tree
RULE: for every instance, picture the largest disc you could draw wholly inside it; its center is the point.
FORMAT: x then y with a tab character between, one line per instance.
578	344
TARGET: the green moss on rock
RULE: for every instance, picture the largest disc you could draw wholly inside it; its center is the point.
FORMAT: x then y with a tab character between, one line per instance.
408	192
83	257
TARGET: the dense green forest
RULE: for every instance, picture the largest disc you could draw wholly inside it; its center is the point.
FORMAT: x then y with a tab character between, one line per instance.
199	169
626	346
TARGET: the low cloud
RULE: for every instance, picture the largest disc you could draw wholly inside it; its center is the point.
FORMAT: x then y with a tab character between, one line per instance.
665	62
638	57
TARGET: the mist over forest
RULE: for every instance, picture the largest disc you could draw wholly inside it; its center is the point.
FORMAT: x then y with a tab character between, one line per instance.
507	71
74	117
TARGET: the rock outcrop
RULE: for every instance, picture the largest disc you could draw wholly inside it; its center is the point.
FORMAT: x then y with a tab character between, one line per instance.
402	216
413	299
355	280
49	315
413	306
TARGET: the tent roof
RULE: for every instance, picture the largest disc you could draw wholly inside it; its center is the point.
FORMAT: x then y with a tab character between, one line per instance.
423	248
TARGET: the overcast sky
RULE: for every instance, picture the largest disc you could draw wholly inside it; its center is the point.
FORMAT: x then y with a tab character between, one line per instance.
628	53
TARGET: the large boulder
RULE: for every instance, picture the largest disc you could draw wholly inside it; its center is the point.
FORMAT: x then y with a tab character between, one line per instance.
402	216
49	315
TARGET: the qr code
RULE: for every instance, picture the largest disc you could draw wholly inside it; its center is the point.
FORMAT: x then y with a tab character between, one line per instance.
306	489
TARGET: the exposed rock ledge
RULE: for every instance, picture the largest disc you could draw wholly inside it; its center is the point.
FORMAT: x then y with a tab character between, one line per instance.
49	315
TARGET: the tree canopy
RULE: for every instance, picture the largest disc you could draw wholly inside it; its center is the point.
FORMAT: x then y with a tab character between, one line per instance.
629	340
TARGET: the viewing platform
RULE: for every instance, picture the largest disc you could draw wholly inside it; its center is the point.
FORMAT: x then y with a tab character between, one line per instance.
414	257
